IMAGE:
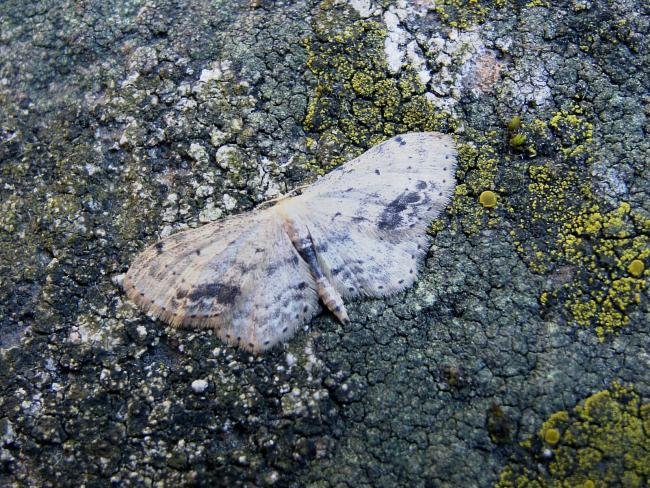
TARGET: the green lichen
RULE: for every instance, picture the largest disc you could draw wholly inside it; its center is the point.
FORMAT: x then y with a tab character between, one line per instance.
565	225
488	199
463	14
357	102
517	140
636	268
514	124
605	441
478	163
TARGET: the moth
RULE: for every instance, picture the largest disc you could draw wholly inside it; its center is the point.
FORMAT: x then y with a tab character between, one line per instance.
254	278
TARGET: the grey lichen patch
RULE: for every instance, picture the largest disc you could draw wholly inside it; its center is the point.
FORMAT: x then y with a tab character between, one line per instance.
101	149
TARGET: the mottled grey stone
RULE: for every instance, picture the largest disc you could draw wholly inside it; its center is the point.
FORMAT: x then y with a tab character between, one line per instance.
108	108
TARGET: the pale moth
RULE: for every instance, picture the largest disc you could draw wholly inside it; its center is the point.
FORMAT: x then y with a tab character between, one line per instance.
254	278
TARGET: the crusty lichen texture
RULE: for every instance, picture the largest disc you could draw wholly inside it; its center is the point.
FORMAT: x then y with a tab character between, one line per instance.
604	441
557	222
603	248
463	14
357	103
475	204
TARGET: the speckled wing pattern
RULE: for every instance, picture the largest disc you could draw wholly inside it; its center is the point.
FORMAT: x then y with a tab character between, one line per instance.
241	276
371	214
256	277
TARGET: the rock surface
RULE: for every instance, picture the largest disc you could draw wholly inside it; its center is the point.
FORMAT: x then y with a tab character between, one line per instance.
125	121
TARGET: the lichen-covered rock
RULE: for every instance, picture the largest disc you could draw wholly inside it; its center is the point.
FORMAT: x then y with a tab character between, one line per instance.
123	122
604	441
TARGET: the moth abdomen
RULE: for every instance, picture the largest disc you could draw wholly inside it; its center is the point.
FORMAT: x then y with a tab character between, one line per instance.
332	300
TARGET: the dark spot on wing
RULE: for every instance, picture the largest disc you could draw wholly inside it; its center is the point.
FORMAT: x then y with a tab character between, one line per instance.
401	141
198	252
377	172
302	285
391	217
259	250
356	220
222	292
159	247
421	185
245	268
181	293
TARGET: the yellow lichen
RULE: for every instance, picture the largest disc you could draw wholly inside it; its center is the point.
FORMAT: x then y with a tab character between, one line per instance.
488	199
477	169
357	102
636	268
514	123
552	436
573	229
463	14
604	443
517	140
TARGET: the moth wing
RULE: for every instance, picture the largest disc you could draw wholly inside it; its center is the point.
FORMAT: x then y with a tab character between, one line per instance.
240	276
369	217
